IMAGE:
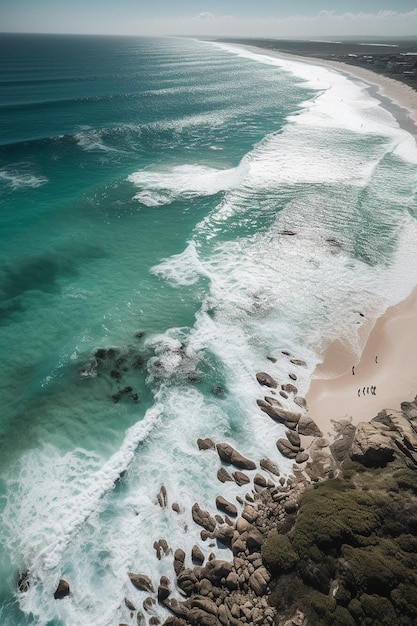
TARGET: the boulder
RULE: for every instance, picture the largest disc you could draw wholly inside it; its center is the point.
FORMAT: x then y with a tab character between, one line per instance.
203	518
241	478
300	402
298	362
216	569
198	617
186	581
162	497
223	475
205	604
254	539
289	388
180	609
278	414
226	506
308	428
302	457
242	525
372	444
130	605
293	438
23	583
161	547
179	558
266	380
176	507
229	455
62	590
142	582
250	514
259	580
163	589
232	581
269	466
287	449
224	534
205	444
197	555
260	481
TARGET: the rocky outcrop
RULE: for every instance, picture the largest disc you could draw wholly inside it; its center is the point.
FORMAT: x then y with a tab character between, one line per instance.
272	407
372	444
223	475
229	455
269	466
62	590
205	444
161	548
226	506
179	560
266	380
241	478
141	582
287	449
203	518
308	427
162	497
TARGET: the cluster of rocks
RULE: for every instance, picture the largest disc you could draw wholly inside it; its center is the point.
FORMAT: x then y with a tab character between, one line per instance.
388	435
215	592
298	423
115	365
231	593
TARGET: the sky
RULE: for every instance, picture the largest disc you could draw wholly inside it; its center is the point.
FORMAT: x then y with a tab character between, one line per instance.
250	18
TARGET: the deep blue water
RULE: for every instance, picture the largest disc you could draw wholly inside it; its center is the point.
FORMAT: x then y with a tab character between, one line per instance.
171	213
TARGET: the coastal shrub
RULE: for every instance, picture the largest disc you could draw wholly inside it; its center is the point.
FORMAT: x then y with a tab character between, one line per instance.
278	554
356	611
328	612
407	542
373	569
288	592
361	530
336	513
378	611
406	479
343	595
404	599
322	603
317	574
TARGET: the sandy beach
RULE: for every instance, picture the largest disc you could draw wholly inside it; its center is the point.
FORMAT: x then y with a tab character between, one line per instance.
386	373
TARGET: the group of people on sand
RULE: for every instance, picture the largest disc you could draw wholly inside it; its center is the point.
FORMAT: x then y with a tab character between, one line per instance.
366	390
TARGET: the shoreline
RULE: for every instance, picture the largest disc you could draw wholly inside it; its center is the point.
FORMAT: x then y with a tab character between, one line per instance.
397	97
383	376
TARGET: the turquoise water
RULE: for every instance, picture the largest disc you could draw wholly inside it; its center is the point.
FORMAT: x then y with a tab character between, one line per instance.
148	190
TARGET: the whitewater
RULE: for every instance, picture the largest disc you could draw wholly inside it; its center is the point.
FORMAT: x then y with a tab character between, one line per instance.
176	216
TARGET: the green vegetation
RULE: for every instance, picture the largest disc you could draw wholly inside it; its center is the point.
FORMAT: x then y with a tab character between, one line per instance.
350	557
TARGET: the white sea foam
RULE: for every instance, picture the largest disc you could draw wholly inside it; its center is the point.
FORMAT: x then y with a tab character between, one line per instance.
92	140
18	180
184	181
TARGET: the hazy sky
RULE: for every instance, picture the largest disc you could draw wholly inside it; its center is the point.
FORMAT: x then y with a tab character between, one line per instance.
261	18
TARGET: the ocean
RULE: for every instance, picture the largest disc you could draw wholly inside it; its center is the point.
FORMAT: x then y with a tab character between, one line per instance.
173	213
